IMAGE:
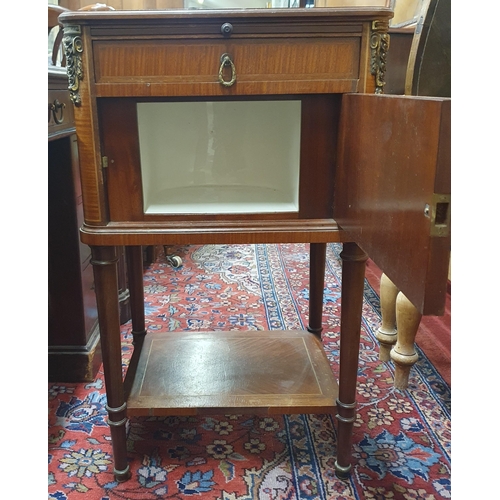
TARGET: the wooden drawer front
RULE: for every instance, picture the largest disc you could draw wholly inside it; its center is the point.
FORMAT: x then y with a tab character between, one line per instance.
60	112
298	65
157	61
271	66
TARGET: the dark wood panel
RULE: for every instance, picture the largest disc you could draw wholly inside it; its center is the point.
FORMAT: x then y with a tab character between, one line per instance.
89	302
429	64
66	318
120	144
397	61
320	115
75	364
393	158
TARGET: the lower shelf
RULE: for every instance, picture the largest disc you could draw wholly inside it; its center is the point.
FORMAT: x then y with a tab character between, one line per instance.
268	372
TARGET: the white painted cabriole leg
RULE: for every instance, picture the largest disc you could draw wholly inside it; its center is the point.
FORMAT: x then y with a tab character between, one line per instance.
403	353
387	331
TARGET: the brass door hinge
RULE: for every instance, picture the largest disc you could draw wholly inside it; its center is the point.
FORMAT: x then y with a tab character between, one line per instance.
104	162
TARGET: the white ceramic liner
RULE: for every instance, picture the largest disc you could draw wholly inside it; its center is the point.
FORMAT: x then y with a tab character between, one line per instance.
220	157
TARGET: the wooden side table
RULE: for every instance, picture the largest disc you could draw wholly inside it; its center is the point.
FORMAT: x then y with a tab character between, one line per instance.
232	127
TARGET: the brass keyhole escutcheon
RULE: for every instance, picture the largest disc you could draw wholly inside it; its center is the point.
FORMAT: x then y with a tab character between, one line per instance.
226	62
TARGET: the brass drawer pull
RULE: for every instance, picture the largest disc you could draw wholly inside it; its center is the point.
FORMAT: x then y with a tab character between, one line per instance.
225	61
58	107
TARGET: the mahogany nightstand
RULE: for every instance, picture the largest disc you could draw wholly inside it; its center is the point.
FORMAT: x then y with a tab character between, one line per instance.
251	126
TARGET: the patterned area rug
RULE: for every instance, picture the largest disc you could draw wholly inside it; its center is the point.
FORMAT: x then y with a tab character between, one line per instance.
401	442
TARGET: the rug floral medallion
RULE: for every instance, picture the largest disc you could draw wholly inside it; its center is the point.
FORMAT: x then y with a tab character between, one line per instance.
401	441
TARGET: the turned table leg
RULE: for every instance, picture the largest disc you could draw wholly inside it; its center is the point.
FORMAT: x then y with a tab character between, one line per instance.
353	274
387	332
123	293
136	290
104	261
317	261
403	353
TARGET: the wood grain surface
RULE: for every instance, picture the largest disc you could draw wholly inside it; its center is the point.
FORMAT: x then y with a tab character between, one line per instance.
254	371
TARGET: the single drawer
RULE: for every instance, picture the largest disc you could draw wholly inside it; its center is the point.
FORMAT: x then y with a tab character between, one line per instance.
220	67
60	112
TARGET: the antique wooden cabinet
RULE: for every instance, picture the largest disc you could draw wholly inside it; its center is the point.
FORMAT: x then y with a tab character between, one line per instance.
243	127
73	331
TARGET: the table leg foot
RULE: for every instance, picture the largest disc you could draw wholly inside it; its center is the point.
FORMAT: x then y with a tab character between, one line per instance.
122	475
104	261
346	417
342	473
353	274
401	376
403	354
387	332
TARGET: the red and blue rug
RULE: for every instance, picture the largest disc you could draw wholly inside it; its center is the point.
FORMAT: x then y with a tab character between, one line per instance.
401	442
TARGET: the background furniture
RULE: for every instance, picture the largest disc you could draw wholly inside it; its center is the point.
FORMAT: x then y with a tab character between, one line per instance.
427	73
73	330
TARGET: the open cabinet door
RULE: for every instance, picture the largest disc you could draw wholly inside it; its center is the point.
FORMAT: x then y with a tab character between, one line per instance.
392	191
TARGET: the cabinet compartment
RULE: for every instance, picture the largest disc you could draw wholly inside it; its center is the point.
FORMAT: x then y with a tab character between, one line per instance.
220	157
258	158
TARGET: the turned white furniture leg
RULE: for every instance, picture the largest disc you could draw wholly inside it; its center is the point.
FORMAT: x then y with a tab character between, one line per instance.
387	331
403	353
